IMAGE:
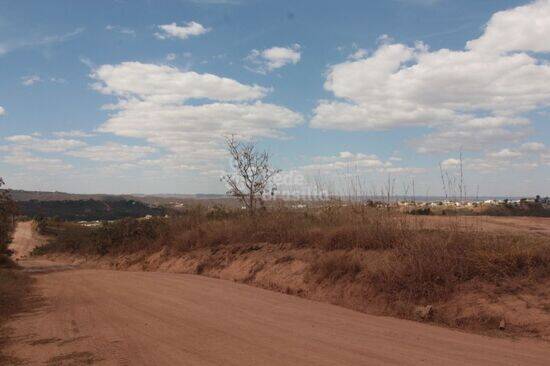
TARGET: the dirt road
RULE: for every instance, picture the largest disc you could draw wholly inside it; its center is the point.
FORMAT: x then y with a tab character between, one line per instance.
25	239
137	318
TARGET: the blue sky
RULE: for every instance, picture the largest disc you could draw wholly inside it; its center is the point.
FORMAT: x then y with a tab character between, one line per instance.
136	96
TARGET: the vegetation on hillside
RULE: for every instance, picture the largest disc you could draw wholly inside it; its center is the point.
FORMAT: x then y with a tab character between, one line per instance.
87	210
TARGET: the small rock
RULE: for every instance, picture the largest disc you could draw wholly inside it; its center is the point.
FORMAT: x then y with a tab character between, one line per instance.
502	325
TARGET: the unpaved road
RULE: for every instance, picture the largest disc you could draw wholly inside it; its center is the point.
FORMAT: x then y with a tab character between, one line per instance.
25	239
137	318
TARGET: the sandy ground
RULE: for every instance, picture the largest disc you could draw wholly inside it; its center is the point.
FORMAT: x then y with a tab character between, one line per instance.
108	317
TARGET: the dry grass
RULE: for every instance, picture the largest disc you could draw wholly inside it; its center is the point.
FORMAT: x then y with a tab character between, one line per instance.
335	267
428	270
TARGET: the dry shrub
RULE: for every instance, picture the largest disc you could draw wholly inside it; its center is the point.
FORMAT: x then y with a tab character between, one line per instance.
335	266
123	236
429	270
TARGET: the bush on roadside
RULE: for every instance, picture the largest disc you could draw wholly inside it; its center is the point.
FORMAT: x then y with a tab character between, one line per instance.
334	267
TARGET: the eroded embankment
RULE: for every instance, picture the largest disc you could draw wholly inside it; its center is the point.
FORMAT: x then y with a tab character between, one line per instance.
512	307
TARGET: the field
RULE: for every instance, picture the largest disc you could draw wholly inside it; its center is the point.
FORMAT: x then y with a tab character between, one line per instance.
538	226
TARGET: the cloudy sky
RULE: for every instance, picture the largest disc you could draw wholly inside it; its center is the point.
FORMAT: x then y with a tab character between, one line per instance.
137	96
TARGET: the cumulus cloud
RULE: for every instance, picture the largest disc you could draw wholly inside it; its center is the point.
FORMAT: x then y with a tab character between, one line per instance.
29	142
32	162
525	156
467	138
524	28
346	161
185	31
273	58
2	111
113	152
162	84
186	113
483	89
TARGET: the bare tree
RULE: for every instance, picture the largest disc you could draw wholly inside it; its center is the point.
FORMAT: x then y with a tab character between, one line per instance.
253	173
443	181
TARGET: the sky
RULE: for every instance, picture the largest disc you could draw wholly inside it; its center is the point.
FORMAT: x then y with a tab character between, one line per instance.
138	96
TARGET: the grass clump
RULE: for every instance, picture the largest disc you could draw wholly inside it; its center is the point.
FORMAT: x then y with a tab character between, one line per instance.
335	267
428	270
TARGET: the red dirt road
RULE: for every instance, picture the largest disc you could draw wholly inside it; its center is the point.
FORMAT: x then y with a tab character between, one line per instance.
141	318
25	239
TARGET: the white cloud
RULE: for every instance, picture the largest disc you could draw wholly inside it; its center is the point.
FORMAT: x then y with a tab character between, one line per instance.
485	88
9	46
348	162
153	104
29	142
344	173
32	162
2	111
121	30
113	152
451	162
164	84
182	32
273	58
171	57
526	156
73	133
358	54
533	147
524	28
30	80
467	138
505	154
